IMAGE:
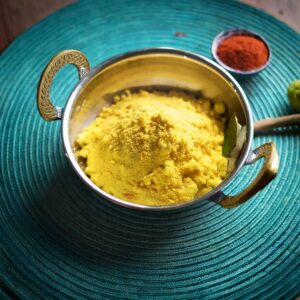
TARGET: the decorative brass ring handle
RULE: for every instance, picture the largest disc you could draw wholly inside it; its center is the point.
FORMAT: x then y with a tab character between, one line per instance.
266	174
47	110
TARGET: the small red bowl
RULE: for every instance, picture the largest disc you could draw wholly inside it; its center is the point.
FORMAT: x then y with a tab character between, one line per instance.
233	32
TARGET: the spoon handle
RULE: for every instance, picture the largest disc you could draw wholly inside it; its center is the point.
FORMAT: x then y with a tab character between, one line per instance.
267	124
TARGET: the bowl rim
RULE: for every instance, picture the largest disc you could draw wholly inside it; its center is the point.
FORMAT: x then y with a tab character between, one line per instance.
149	51
238	31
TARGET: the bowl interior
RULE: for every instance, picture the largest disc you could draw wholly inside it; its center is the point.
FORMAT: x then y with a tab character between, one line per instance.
159	69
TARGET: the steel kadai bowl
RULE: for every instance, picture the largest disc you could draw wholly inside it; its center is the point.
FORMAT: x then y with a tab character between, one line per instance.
163	67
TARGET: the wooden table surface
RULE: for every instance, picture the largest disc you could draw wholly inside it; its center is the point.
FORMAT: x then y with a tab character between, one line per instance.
18	15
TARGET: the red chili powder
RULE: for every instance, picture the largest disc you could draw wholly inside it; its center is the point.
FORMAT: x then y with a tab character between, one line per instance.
242	52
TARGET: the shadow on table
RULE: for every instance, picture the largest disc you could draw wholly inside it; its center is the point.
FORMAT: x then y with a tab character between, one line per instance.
284	131
72	220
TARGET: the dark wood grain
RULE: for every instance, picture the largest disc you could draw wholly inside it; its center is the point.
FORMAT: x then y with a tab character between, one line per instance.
287	11
18	15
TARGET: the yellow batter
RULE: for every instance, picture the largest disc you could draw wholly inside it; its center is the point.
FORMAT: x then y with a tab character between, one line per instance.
156	148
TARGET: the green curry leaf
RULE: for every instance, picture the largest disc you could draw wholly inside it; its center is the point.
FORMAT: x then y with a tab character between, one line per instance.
231	135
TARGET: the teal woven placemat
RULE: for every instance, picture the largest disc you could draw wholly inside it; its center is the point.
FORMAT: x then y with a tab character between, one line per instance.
58	240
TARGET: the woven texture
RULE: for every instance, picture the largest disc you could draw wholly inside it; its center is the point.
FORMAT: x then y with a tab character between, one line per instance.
58	240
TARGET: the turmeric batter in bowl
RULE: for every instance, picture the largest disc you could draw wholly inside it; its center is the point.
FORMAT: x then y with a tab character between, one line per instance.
155	148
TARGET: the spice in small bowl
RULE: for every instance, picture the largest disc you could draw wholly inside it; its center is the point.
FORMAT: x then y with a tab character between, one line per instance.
241	51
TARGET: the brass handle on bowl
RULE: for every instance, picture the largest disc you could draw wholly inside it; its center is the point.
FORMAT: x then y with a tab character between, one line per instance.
267	173
47	110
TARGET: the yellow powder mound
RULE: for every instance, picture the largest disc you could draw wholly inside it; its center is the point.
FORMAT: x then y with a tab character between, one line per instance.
155	148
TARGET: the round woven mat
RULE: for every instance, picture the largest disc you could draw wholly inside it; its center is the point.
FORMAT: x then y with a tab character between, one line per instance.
58	240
